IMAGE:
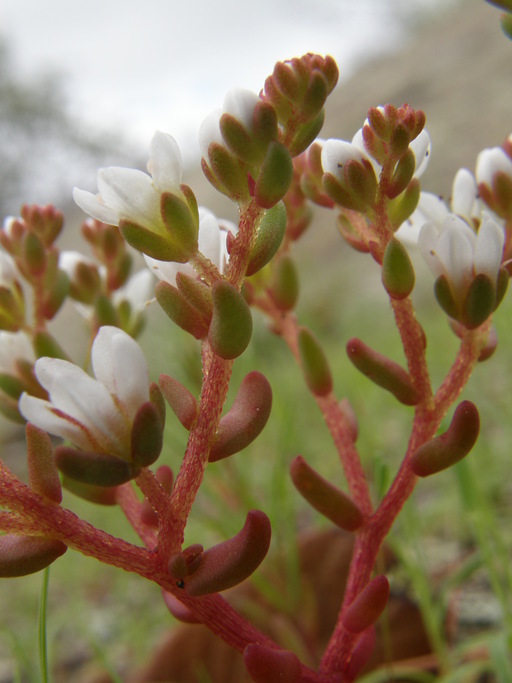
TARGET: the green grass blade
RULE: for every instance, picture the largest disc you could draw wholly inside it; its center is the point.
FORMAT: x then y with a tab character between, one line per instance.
43	640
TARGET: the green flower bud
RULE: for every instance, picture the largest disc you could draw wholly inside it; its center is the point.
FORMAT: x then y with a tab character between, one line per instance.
231	325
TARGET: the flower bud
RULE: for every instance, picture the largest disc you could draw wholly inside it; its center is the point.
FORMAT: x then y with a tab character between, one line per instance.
183	403
246	418
368	605
446	449
324	497
57	289
22	555
100	469
383	371
147	435
267	665
314	363
284	287
274	177
231	325
180	311
269	236
229	563
43	475
34	255
397	270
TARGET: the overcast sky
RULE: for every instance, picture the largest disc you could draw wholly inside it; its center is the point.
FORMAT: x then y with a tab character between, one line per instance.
166	64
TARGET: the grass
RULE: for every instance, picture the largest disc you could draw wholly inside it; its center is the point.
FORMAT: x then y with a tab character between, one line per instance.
99	614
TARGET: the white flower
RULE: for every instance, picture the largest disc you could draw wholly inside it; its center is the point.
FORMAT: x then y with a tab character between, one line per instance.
454	250
94	414
421	147
14	346
240	104
212	240
336	153
137	290
489	162
126	193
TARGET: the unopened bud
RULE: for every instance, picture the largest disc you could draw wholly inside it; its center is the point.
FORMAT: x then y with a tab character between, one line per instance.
314	363
401	208
34	255
196	293
246	418
446	449
43	475
99	469
269	236
22	555
231	325
183	403
267	665
231	562
383	371
226	172
368	605
324	497
397	270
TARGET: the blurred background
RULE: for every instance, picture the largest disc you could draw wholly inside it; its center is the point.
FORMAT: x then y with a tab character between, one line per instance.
84	85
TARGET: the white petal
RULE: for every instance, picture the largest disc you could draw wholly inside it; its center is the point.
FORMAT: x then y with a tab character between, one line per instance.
431	208
14	346
427	243
464	194
165	163
138	291
167	270
240	104
84	399
336	153
94	205
489	161
131	193
489	248
455	252
209	237
209	132
119	364
41	414
421	146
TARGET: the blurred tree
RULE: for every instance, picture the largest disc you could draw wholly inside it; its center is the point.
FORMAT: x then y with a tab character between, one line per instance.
44	150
